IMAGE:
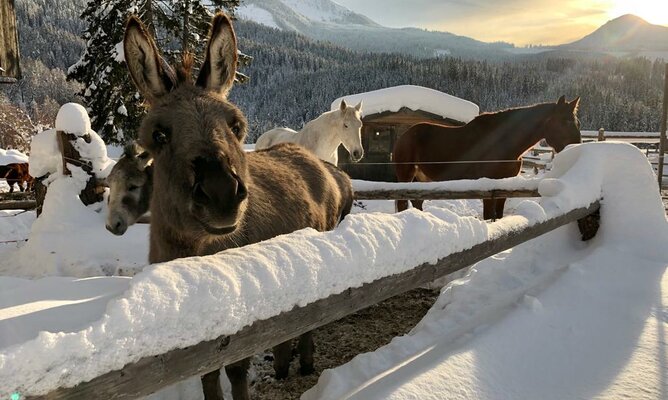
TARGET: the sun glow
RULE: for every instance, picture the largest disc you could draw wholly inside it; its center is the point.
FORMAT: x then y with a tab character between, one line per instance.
653	11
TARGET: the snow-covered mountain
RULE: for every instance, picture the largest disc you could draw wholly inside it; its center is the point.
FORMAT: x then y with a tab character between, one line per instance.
626	33
299	14
329	21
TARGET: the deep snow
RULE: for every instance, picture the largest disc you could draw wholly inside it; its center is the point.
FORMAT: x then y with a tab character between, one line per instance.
553	318
124	319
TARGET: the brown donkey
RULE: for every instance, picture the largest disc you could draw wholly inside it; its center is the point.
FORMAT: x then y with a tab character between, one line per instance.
209	195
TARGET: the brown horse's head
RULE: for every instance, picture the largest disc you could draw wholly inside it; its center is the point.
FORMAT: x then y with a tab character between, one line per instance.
563	127
192	131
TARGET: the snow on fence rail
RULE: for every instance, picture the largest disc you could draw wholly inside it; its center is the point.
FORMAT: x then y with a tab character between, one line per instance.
152	373
452	190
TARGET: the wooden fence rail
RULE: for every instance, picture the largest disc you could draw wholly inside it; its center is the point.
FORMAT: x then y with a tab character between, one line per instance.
155	372
17	201
435	194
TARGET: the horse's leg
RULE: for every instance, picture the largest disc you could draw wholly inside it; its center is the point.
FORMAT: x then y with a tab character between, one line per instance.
405	173
282	358
488	209
306	349
500	203
211	386
238	375
417	204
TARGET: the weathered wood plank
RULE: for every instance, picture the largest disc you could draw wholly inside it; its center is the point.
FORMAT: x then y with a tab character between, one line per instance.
153	373
18	205
414	194
17	196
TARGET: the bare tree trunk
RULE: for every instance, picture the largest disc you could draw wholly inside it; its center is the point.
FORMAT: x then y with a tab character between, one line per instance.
147	13
186	26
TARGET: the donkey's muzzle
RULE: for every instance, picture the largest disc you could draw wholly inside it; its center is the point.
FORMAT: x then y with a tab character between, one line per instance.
217	193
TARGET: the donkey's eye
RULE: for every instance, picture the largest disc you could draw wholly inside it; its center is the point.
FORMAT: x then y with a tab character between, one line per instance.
345	126
236	129
160	137
133	188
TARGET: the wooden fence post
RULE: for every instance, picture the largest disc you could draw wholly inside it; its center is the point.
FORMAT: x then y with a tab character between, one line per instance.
664	121
601	135
90	194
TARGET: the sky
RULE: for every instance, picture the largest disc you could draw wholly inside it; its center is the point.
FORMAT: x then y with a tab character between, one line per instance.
517	21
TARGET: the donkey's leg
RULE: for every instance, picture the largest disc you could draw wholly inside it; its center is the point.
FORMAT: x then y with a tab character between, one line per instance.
306	349
211	386
238	375
282	358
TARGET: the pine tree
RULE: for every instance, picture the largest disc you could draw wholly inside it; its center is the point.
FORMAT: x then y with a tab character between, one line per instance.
113	103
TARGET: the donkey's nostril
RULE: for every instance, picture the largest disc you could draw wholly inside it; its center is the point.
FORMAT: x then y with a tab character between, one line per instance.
242	193
199	195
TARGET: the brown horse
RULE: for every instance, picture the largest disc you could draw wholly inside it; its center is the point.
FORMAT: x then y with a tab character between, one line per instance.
430	152
17	174
208	195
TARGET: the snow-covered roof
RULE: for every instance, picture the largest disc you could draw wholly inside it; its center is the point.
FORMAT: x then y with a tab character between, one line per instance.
415	98
12	157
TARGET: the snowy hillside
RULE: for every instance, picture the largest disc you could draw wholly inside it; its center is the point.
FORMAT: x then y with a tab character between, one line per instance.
296	14
626	33
329	21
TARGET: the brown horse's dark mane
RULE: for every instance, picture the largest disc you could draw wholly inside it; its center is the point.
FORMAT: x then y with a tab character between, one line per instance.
499	118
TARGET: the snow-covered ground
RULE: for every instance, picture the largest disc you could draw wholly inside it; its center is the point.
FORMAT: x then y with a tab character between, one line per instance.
553	318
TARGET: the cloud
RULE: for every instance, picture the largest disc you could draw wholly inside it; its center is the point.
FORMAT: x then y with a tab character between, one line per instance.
518	21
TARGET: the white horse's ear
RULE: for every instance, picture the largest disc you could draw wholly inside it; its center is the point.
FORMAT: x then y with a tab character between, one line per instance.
343	105
220	63
150	73
359	106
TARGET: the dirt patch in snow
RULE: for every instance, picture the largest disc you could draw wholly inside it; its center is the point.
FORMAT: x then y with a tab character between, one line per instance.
340	341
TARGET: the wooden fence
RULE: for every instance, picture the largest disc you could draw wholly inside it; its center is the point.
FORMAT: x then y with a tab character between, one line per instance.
153	373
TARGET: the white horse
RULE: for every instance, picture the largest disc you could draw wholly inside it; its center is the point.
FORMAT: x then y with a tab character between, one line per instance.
323	135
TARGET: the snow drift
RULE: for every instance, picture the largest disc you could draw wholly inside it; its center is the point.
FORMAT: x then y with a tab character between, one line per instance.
221	294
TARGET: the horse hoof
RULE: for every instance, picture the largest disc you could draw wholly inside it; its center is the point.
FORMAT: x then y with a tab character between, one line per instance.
282	375
306	370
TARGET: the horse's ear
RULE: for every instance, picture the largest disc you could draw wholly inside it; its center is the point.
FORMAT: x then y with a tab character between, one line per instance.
562	100
358	107
343	105
575	104
150	73
220	62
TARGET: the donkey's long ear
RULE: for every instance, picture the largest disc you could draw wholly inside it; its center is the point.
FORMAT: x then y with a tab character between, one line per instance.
152	76
562	100
220	63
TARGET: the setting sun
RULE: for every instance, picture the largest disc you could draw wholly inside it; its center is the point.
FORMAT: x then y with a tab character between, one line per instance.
653	11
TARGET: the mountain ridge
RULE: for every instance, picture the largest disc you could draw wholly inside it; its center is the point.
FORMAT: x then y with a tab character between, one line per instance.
625	33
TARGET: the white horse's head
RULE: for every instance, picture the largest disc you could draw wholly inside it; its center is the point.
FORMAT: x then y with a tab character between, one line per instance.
350	130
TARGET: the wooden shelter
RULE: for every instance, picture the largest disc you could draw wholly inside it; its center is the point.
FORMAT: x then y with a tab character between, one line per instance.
381	128
9	43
